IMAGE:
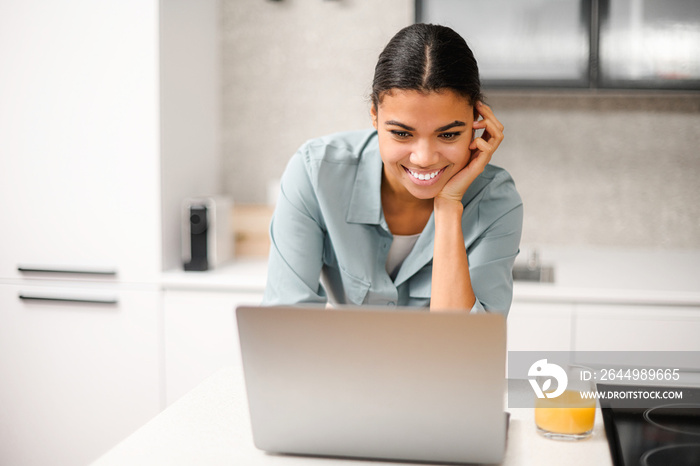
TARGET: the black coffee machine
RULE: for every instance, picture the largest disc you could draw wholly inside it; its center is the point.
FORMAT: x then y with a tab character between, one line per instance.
207	238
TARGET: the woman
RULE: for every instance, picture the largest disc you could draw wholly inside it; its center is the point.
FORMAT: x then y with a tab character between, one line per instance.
410	213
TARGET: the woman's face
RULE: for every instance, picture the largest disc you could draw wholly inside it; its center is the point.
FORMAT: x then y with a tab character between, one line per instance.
423	139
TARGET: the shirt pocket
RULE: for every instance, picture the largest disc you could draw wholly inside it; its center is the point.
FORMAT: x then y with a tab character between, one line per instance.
420	284
355	288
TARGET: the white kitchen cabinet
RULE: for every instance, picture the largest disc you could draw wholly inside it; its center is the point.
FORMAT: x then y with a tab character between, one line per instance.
79	136
201	335
643	336
539	326
76	377
108	121
628	327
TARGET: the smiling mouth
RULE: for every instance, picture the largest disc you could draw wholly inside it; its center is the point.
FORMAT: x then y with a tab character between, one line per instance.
424	176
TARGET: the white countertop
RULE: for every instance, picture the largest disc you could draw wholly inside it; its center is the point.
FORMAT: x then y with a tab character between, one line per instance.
581	275
247	274
615	276
211	426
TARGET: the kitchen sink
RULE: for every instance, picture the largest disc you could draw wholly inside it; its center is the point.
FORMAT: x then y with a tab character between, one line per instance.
540	274
533	270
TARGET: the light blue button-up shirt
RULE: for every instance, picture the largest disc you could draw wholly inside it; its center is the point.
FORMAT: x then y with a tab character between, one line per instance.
330	240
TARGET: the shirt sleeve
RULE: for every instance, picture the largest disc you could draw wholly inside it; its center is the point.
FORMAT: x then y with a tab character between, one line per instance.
296	240
492	255
477	308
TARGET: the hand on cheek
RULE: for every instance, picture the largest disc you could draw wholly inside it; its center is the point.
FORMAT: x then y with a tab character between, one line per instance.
481	151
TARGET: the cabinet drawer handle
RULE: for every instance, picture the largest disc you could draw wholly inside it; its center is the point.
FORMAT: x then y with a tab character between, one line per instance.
54	269
70	299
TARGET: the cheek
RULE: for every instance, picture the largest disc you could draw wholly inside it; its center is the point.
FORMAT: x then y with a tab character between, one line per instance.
458	155
392	153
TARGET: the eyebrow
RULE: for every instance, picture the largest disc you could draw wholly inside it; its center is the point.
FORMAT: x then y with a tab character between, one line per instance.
454	124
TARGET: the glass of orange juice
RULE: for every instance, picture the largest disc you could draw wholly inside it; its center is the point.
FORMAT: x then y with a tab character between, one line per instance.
568	415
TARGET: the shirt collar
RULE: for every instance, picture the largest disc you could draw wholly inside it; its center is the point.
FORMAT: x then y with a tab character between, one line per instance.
366	200
366	207
421	254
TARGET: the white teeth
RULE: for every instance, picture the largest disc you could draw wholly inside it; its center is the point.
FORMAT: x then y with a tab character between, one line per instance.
422	176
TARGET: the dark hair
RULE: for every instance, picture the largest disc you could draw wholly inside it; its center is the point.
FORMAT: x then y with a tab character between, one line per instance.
425	58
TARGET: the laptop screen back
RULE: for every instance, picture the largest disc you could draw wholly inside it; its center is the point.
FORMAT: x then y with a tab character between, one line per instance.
400	384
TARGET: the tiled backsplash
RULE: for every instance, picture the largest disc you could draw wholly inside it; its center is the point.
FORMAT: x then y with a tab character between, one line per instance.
605	169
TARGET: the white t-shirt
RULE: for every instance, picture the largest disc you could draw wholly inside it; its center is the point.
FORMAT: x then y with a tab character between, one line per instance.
400	249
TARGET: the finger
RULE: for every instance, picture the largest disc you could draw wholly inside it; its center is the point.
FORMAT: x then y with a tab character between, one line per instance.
493	128
487	114
485	111
477	164
481	150
482	145
489	123
493	133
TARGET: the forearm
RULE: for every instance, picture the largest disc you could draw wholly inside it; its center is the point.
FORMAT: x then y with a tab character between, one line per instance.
451	287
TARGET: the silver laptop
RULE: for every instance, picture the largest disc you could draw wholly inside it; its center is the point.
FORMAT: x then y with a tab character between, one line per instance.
402	384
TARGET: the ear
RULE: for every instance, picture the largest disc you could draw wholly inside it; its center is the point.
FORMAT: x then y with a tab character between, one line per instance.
373	112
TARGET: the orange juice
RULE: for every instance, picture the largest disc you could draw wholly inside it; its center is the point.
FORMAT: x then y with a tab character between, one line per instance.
566	414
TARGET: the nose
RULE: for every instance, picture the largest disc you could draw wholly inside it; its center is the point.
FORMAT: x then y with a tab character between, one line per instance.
424	154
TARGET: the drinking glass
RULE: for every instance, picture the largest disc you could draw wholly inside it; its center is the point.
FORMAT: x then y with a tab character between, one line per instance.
569	415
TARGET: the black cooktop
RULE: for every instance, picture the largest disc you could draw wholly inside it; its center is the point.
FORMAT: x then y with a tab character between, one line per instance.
645	431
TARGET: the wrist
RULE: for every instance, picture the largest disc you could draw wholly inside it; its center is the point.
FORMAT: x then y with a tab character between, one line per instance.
447	204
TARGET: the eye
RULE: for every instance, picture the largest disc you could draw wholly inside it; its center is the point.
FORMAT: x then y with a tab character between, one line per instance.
450	136
398	134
